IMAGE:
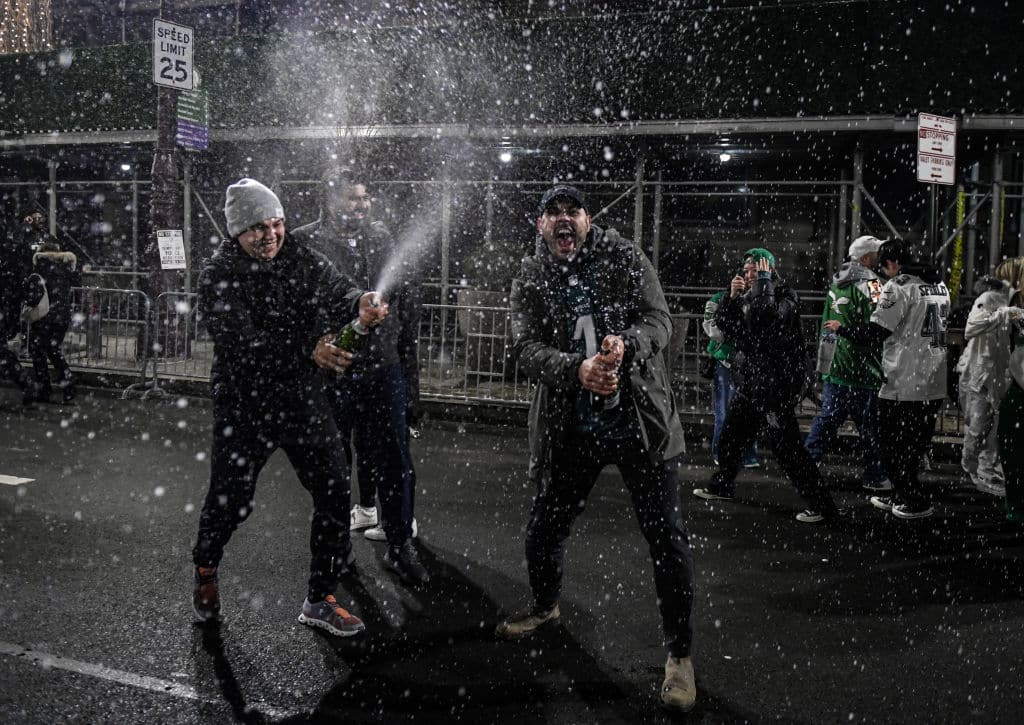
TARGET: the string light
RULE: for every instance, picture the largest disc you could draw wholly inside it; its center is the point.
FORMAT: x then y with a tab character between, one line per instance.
26	26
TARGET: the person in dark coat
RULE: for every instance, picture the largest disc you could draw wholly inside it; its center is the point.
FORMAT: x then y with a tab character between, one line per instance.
15	267
272	307
59	271
34	232
762	314
591	325
382	385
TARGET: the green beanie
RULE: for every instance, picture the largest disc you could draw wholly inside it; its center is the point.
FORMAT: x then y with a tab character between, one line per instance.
757	253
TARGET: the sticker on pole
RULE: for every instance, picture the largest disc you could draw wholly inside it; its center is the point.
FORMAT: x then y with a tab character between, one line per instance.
172	55
172	248
936	149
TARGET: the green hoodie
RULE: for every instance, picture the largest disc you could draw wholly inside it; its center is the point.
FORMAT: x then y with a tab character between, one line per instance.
851	300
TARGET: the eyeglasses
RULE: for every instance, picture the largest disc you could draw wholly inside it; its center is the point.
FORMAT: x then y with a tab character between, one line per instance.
261	229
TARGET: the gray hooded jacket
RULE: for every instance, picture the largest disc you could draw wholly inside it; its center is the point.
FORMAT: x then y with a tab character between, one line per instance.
627	294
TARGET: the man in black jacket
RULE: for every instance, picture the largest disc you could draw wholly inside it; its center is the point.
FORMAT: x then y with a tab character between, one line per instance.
762	314
591	324
270	305
376	400
59	270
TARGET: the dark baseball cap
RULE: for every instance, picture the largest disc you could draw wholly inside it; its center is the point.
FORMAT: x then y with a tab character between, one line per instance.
561	192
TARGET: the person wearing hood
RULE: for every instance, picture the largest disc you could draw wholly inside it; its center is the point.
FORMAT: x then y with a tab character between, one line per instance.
382	385
853	376
762	315
272	308
983	381
59	271
909	325
590	323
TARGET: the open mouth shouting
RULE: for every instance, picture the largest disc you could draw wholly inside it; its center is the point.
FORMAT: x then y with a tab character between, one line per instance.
565	239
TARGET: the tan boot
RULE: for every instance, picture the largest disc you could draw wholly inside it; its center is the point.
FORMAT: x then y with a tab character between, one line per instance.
524	623
679	691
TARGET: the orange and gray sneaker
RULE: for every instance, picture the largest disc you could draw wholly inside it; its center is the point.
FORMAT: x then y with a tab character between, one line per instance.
205	598
330	615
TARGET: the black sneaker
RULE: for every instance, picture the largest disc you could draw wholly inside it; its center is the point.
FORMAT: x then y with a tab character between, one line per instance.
405	562
912	510
884	502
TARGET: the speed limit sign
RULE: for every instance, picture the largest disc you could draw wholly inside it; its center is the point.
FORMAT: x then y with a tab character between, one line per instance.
172	55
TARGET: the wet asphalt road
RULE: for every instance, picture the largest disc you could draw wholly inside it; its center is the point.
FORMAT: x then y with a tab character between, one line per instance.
879	621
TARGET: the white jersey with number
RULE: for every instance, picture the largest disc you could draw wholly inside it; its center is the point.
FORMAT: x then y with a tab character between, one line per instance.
914	355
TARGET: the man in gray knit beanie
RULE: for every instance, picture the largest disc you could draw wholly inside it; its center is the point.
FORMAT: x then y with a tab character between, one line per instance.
249	202
273	308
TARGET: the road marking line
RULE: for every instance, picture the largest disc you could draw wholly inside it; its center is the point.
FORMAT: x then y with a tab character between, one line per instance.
154	684
14	480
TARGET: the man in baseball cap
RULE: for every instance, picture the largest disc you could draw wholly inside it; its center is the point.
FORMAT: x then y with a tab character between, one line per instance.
852	379
866	246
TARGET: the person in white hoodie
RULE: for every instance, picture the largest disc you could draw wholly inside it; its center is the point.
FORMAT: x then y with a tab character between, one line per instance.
983	383
1010	431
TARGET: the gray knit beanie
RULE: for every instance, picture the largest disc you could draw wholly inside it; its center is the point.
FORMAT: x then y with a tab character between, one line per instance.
249	202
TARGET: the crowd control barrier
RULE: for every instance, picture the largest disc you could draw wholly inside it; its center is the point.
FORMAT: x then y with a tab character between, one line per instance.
465	351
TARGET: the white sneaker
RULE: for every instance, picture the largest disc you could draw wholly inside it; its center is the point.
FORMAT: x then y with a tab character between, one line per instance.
810	516
361	518
377	532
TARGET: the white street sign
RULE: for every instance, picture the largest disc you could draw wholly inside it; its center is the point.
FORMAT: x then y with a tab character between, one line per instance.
172	248
172	55
936	149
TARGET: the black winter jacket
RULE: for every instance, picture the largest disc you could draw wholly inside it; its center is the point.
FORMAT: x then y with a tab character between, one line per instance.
627	295
60	272
765	324
367	256
265	319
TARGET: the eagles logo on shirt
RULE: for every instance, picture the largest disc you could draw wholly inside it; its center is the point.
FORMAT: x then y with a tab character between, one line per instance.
887	300
874	290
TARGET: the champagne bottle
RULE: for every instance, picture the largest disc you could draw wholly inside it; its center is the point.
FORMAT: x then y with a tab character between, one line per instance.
352	337
826	352
604	403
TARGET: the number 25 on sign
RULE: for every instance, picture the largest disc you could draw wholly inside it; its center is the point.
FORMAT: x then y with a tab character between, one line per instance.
172	55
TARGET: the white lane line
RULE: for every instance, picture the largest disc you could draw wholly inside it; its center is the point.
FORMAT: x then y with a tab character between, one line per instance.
154	684
14	480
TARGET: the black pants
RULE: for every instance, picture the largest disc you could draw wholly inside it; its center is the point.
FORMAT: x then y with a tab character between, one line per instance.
906	428
241	447
45	342
370	409
773	422
654	487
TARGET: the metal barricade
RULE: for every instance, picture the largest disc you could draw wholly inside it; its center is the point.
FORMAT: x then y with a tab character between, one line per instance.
108	331
465	355
182	350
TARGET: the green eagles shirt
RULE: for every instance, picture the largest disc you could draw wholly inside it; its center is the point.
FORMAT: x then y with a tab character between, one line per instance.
852	299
